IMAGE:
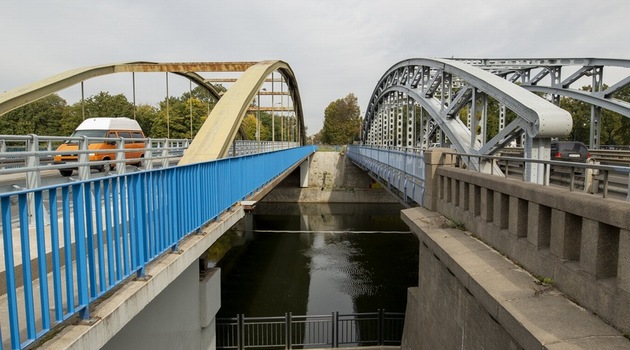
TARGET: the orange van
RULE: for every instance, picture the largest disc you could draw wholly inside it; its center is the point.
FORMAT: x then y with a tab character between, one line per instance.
113	128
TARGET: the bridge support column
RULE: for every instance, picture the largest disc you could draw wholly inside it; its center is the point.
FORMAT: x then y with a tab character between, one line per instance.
304	169
432	159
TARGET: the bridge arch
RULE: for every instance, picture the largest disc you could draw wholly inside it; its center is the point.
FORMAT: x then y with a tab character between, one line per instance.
32	92
220	128
442	88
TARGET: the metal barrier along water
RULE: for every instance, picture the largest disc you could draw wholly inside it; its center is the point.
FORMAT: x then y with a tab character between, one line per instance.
401	168
334	330
103	231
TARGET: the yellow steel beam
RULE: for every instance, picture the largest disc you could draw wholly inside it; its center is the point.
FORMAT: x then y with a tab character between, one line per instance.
218	131
24	95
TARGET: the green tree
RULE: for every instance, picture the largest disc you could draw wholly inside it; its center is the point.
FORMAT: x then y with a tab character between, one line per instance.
178	122
146	115
105	105
614	126
342	121
42	117
249	128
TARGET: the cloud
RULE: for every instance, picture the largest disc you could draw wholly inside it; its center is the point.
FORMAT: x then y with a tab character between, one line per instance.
335	47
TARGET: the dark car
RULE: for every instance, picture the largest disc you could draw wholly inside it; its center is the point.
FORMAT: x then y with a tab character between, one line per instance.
569	151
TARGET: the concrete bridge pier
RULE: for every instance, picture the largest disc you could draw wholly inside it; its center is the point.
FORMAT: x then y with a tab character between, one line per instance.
304	170
174	307
181	317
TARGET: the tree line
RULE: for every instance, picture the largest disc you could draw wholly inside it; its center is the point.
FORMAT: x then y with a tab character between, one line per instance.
174	117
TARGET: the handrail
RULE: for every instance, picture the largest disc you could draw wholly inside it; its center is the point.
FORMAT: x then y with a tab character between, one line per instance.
103	231
391	164
32	154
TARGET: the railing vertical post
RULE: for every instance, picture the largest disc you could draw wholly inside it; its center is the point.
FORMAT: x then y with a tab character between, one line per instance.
83	158
380	326
165	151
335	329
240	331
287	333
80	250
148	155
33	177
121	165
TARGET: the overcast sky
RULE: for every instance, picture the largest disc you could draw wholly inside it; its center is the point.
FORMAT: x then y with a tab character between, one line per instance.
335	47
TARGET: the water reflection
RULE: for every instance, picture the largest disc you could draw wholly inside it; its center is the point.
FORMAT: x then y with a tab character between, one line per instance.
309	259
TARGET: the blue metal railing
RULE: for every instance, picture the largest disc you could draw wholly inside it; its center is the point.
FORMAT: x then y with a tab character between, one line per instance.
401	168
102	231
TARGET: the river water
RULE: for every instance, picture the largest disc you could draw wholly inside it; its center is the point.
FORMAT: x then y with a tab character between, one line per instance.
313	259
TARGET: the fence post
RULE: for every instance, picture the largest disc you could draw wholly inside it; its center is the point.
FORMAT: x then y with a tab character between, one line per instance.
240	331
83	159
165	152
148	155
380	326
335	329
287	333
120	165
33	177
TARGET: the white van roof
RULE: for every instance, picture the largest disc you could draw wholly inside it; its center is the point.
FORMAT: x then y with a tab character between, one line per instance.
121	123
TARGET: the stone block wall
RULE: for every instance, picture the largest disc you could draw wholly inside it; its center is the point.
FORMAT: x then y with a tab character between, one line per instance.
578	240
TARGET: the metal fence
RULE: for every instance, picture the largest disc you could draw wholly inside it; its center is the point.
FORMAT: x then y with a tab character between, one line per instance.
587	177
244	147
32	154
402	168
103	231
289	331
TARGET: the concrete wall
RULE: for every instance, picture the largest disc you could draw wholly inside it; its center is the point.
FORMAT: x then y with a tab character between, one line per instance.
579	242
332	178
472	297
181	317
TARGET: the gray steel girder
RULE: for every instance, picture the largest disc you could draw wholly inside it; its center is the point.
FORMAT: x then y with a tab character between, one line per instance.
509	67
540	117
442	87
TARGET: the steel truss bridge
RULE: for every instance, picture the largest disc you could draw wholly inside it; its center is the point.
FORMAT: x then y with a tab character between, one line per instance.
422	102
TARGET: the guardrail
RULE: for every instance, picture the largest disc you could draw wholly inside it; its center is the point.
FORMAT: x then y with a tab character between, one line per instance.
401	168
589	177
616	155
334	330
32	154
243	147
103	231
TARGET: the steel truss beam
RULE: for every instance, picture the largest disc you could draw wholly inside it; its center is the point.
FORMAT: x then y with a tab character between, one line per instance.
592	68
443	87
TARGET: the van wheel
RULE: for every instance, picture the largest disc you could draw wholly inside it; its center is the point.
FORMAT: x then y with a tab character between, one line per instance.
139	164
65	172
107	167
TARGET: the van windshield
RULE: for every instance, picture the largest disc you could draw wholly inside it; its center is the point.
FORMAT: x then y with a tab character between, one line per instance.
89	134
